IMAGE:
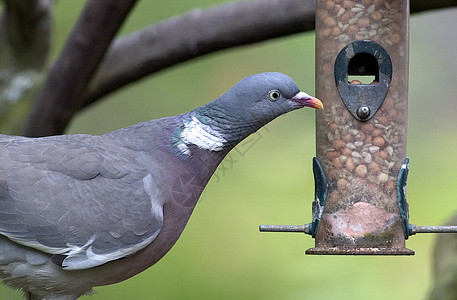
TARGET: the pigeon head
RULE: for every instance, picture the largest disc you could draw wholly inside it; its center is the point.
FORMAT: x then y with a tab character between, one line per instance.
260	98
251	103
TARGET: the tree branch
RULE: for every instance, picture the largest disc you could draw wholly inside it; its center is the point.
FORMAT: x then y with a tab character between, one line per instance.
68	77
417	6
25	33
201	32
195	34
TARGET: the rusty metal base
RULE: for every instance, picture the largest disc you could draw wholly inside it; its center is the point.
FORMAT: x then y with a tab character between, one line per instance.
359	251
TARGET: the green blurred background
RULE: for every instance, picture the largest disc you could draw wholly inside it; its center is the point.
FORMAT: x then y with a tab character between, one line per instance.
221	254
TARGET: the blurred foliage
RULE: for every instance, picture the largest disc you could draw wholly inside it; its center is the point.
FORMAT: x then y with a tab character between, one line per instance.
221	254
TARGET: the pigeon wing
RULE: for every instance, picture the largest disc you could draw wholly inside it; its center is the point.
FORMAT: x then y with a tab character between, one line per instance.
75	196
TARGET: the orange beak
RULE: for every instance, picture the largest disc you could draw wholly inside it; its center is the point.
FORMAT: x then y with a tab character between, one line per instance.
304	99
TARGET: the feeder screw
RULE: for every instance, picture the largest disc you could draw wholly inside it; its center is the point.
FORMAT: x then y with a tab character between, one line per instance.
363	112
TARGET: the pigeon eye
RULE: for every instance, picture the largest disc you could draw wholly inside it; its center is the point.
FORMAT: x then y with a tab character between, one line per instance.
274	95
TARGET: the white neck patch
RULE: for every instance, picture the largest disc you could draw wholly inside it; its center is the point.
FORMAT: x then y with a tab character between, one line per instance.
201	135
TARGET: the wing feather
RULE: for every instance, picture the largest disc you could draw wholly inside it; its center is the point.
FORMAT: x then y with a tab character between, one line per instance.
77	196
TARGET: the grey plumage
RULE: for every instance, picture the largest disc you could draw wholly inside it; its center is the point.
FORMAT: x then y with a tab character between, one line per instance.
78	211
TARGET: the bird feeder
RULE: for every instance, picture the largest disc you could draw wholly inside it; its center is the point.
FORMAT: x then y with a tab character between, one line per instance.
361	168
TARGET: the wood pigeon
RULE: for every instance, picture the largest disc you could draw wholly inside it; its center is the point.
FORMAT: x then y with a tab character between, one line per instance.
78	211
